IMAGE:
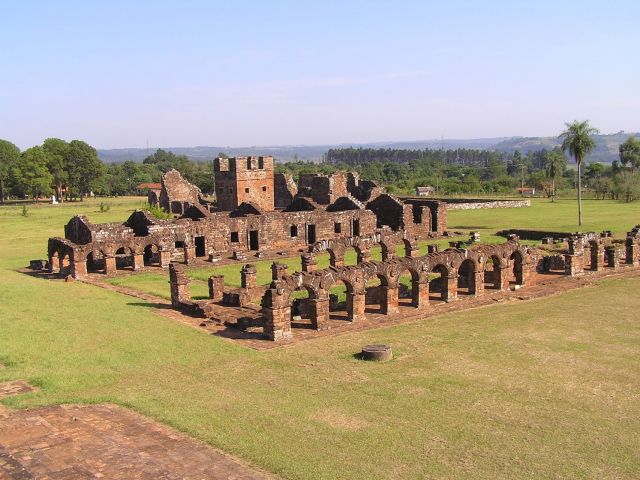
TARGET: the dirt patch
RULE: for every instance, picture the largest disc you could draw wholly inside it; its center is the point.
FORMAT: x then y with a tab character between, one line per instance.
106	441
339	420
15	387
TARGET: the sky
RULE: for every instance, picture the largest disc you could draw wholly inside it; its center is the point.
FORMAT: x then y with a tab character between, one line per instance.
241	73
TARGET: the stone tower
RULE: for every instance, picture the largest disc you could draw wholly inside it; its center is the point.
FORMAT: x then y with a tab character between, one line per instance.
244	179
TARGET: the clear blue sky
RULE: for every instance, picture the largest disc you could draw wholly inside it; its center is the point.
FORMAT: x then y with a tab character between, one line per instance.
235	73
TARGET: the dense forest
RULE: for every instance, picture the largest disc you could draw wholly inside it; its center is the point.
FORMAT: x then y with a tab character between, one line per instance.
72	170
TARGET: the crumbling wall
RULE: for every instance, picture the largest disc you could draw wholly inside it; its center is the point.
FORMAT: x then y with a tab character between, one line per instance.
177	193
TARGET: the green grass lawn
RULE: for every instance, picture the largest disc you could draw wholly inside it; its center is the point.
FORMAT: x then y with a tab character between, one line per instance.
539	389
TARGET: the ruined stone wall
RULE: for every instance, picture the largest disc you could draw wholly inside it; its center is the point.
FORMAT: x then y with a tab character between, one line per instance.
244	179
285	189
323	189
177	193
476	204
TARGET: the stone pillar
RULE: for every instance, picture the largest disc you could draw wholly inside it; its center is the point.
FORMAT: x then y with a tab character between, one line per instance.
79	269
165	258
309	262
110	265
631	252
356	305
179	285
189	254
597	256
363	255
502	279
611	253
320	312
277	316
138	261
278	271
216	287
388	299
573	265
248	276
478	277
451	292
420	293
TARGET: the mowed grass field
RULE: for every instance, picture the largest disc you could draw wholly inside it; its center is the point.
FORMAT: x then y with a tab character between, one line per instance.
546	388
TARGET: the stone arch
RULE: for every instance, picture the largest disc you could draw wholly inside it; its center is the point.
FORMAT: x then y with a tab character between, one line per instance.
96	261
467	278
339	300
124	257
493	272
517	264
439	282
151	255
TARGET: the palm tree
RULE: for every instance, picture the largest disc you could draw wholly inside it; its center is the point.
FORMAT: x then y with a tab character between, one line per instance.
577	139
554	164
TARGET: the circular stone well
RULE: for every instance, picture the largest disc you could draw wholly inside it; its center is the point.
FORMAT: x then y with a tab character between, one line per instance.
377	353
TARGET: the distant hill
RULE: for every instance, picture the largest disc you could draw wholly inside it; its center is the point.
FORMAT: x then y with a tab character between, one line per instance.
606	149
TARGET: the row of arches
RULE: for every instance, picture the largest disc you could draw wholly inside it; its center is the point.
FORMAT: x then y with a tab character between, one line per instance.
312	299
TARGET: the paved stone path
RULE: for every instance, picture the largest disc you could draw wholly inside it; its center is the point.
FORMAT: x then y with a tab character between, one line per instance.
109	442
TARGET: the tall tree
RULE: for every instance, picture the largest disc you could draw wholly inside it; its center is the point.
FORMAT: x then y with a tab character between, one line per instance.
57	153
84	167
630	153
554	164
30	173
9	153
577	140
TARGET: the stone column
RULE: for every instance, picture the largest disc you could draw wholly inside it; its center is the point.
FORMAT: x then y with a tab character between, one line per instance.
248	276
478	277
189	254
79	269
388	299
451	291
356	305
216	287
597	256
309	262
110	265
611	253
411	250
138	261
420	293
278	271
573	265
632	253
502	279
388	252
277	316
179	285
320	312
165	258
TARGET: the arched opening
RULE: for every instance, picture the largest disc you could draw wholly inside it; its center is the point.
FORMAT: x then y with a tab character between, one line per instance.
124	258
96	262
151	256
65	264
438	283
467	277
340	308
303	308
516	261
373	295
492	273
408	289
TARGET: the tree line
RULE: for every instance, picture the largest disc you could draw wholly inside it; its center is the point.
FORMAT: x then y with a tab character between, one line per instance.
72	170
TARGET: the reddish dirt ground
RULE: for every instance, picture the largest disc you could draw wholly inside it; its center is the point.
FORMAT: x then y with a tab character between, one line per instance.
105	441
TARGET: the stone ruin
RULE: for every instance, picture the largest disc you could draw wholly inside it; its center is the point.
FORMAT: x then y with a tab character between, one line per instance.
257	212
446	275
